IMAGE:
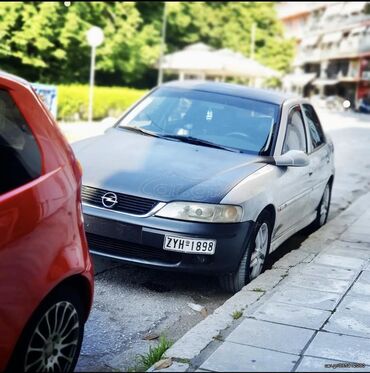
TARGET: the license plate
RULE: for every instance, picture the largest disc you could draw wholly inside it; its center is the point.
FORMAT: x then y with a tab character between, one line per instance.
189	245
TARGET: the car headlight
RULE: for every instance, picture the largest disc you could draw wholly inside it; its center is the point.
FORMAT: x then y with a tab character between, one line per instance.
204	212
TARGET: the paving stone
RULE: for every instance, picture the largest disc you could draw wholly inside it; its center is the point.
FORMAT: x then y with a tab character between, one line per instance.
282	338
326	271
355	237
362	285
314	364
292	315
267	280
241	300
306	297
359	228
350	252
340	347
358	304
351	317
319	283
292	259
200	336
339	261
350	246
231	357
175	367
312	245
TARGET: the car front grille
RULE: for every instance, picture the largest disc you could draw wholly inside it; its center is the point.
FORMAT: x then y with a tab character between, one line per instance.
125	203
124	249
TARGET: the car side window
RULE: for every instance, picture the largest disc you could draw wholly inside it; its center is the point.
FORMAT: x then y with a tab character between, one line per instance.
295	136
316	132
20	158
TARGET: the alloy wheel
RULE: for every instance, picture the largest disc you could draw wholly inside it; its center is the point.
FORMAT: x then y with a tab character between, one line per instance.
260	251
324	208
53	345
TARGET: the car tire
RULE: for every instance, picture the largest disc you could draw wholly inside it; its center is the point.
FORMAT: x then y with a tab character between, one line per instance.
53	336
257	251
322	211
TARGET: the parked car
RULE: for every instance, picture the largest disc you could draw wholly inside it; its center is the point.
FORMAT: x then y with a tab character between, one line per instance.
206	177
46	276
364	105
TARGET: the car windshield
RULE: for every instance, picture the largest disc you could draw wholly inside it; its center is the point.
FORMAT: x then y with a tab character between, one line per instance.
232	122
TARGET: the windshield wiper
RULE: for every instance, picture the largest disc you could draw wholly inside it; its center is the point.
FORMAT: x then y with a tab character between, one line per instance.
140	130
196	141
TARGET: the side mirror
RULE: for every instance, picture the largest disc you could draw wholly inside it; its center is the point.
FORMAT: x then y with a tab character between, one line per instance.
293	158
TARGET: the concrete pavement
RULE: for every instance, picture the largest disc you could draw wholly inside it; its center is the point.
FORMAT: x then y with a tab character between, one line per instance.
310	312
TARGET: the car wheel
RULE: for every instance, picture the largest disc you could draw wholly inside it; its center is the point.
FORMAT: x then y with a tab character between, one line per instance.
322	211
254	259
52	339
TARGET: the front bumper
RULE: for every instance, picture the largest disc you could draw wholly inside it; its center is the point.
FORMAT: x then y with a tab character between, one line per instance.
139	240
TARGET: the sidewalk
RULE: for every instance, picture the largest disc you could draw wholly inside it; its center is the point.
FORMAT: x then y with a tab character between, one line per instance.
310	312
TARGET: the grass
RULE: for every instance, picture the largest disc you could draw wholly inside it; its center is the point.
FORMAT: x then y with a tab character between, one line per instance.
258	290
237	315
145	361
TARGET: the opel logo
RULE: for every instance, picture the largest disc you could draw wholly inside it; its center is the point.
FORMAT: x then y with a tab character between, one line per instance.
109	200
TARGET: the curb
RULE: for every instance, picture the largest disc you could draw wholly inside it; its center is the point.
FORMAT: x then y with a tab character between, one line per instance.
197	339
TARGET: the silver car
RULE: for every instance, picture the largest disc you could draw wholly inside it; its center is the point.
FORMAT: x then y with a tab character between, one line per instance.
206	177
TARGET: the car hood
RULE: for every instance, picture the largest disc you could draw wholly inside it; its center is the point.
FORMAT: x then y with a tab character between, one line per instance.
161	169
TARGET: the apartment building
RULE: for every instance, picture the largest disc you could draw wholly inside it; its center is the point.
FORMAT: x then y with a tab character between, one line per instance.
333	48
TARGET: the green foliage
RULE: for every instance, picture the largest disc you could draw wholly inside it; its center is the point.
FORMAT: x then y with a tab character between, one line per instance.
229	25
237	315
108	101
258	290
46	41
154	354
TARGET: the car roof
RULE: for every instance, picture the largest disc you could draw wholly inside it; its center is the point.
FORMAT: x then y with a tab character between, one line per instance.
238	90
4	74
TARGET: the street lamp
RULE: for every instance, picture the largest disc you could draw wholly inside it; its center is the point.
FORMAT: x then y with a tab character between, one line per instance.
163	43
95	37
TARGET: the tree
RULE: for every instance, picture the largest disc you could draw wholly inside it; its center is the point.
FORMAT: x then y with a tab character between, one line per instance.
228	25
46	41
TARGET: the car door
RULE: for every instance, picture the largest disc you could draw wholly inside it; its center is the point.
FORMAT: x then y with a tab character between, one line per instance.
319	155
293	189
37	210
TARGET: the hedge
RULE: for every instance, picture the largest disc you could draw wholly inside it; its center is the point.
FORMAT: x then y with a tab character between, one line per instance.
108	101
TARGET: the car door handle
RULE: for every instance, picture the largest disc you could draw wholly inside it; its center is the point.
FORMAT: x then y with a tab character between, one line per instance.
310	173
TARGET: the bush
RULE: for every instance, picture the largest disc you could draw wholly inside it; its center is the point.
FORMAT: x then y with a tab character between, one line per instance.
108	101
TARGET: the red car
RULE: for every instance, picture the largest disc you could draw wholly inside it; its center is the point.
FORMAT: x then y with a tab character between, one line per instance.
46	276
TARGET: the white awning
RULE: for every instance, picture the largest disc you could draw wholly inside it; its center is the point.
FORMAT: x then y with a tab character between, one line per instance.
310	40
358	30
333	10
353	7
202	59
299	80
323	82
333	37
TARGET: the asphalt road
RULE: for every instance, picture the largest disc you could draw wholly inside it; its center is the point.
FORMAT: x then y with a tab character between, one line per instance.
131	302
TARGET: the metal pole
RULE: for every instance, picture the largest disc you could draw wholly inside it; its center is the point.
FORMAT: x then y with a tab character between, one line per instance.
163	41
91	91
253	38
